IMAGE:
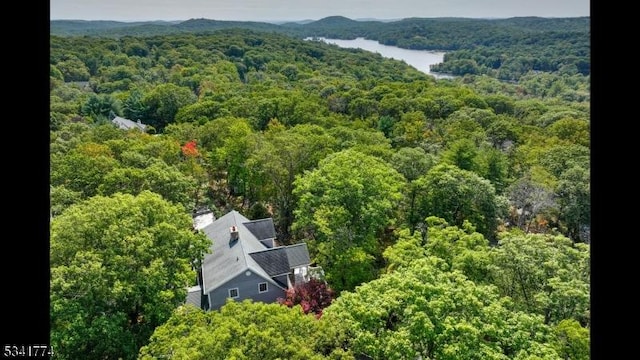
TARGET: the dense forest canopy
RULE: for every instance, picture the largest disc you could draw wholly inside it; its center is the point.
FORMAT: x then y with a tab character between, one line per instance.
504	48
451	217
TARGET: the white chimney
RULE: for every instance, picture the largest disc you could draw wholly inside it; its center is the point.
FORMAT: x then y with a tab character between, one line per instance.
234	233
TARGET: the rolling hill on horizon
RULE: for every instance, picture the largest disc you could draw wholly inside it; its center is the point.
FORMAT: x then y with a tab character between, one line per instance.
339	26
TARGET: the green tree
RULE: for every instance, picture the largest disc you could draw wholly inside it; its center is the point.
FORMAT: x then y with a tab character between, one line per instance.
67	138
463	153
423	311
239	330
343	206
462	248
572	340
141	149
229	158
502	133
119	266
133	107
412	163
201	112
280	157
61	198
410	130
573	130
574	200
457	195
82	169
163	102
561	157
464	124
158	177
136	48
73	69
544	274
55	74
366	141
494	167
101	107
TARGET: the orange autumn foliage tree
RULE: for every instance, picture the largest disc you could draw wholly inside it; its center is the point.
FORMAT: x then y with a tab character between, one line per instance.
190	150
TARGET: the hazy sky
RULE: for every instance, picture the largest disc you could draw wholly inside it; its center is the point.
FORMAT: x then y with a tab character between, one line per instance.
277	10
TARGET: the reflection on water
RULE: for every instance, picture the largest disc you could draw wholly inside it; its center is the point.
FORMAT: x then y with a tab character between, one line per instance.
419	59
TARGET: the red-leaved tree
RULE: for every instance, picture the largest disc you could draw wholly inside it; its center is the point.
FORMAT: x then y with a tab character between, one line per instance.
313	296
189	149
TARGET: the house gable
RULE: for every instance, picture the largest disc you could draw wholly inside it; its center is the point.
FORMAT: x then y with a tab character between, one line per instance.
248	287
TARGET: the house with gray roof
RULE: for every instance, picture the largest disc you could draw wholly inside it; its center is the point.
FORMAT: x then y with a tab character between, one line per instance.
126	124
246	262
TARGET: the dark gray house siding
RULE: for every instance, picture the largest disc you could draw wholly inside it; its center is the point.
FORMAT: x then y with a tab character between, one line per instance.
194	296
247	289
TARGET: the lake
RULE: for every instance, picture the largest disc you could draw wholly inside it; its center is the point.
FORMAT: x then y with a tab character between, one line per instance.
419	59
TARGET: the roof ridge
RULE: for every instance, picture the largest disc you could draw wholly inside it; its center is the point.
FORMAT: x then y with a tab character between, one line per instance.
277	247
298	244
263	219
267	249
244	251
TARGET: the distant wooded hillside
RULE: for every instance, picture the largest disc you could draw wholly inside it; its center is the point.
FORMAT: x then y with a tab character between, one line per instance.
506	49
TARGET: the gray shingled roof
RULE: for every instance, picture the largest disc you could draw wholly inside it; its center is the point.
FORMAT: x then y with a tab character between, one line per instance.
274	261
280	260
262	229
229	259
127	124
298	255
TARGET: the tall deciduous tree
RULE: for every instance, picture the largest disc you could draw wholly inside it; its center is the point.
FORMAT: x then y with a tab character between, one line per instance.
457	195
163	102
412	163
572	340
158	177
239	330
61	198
82	169
119	266
232	150
573	130
463	153
280	158
344	205
410	130
73	69
423	311
574	200
462	248
544	274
